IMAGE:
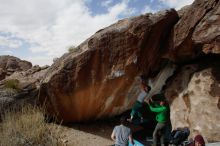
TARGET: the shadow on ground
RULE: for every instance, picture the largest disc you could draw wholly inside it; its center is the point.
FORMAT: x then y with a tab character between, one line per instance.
103	128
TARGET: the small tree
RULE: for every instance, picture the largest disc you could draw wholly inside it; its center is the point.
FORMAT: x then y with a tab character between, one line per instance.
72	49
55	59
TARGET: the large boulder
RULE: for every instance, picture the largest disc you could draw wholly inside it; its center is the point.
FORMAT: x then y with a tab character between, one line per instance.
98	79
10	64
194	96
197	32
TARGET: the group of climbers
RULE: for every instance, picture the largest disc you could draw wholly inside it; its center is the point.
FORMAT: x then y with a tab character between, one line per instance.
122	134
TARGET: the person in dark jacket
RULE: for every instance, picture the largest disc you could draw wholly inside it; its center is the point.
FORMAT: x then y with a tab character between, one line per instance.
161	118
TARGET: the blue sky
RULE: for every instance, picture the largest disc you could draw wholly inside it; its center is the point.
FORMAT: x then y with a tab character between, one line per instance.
40	30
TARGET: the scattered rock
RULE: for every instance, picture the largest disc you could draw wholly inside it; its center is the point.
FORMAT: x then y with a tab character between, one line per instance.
25	90
10	64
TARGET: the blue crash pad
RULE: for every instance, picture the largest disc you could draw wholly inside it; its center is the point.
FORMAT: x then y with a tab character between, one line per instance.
136	143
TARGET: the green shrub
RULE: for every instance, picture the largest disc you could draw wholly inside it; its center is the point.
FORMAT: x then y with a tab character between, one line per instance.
72	49
12	84
27	127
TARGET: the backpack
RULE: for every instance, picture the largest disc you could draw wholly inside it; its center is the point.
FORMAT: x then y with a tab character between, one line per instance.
179	136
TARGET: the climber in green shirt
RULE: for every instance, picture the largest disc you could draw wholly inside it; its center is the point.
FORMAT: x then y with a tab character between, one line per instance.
162	118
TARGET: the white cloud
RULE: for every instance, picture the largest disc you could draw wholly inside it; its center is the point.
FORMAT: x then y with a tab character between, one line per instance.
39	60
147	9
106	3
9	43
177	4
7	52
120	9
50	26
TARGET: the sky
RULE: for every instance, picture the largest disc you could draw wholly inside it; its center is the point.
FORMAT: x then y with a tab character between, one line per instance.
41	30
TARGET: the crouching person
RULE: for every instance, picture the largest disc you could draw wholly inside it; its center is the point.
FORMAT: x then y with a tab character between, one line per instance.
122	134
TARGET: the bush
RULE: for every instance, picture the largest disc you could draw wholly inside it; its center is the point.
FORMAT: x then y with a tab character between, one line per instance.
12	84
73	49
27	127
55	59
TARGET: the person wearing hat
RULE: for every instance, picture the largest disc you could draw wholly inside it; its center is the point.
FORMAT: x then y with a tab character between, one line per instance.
136	110
198	141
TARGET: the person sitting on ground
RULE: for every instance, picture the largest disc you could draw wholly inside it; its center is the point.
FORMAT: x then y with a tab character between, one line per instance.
122	134
198	141
145	89
162	118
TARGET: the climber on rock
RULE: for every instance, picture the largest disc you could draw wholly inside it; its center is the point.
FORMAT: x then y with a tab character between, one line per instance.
162	118
136	110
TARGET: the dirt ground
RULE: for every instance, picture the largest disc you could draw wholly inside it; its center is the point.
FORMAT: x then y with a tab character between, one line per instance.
97	133
88	134
73	137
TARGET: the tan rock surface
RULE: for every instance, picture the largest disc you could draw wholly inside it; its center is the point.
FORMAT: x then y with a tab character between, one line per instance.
26	90
194	95
10	64
30	77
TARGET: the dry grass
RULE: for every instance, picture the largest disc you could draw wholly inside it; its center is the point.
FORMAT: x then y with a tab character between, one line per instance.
12	84
73	49
27	127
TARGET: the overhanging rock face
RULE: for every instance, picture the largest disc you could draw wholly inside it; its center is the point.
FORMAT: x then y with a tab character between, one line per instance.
98	80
